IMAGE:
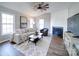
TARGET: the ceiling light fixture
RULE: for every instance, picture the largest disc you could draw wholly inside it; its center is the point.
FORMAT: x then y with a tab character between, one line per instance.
41	6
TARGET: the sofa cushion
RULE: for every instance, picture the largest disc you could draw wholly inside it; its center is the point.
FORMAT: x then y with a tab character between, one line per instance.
30	30
20	31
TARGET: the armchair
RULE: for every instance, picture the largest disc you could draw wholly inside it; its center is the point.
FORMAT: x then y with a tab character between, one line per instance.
19	36
44	31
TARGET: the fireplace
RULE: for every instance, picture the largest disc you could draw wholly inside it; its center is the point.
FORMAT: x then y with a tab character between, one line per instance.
57	31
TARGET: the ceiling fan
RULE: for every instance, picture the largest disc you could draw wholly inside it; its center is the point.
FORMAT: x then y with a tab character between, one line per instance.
42	6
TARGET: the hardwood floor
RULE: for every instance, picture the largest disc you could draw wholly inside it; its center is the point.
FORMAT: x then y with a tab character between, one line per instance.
57	47
6	49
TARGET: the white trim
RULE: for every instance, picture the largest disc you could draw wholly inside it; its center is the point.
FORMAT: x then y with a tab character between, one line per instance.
13	21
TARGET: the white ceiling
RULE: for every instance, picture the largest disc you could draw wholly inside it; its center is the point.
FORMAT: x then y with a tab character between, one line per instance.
27	7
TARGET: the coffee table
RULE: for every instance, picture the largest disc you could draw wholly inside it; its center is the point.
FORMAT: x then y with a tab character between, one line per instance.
35	38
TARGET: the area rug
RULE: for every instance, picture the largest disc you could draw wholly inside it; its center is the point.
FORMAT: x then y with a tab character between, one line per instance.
30	49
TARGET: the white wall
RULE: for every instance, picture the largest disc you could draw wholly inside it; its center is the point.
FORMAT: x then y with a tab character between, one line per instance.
59	19
73	9
46	18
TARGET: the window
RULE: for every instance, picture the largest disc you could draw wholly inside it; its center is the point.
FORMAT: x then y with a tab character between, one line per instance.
41	23
7	24
32	23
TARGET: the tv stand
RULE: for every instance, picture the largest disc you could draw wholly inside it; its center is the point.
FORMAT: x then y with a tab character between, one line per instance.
71	44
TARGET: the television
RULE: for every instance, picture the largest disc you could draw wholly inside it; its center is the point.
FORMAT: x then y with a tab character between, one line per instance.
73	24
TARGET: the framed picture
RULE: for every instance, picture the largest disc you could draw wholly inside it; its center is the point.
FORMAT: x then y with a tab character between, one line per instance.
23	22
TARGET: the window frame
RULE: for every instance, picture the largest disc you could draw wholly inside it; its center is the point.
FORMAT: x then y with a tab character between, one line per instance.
41	27
32	22
7	23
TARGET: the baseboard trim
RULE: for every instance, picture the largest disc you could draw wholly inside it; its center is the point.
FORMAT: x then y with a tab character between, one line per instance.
3	41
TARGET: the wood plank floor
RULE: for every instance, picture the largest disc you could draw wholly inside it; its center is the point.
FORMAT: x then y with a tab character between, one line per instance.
57	47
6	49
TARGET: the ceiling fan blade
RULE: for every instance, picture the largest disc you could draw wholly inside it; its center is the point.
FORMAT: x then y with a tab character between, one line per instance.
44	9
46	5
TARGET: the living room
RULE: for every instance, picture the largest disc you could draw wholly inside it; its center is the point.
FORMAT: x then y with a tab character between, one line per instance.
19	28
38	28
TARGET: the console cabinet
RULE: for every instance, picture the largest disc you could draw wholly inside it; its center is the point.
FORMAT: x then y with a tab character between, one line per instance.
69	44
